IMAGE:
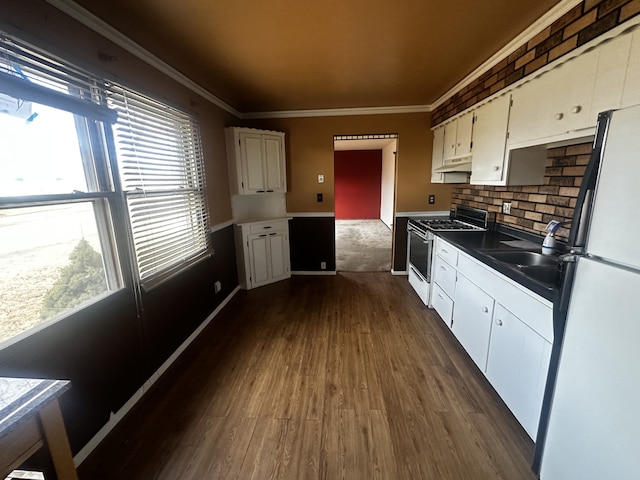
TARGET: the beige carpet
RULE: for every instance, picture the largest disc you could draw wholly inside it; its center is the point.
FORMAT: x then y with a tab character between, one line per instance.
363	246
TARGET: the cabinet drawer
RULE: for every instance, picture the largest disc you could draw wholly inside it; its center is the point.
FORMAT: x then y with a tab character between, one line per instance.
267	227
445	276
447	252
442	304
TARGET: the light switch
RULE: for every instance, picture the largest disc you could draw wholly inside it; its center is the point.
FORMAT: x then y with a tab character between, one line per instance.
320	178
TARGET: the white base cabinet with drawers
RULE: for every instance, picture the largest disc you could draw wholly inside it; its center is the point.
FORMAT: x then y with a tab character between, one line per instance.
505	328
262	252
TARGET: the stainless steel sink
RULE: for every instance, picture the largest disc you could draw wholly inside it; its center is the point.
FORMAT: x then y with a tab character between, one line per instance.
523	258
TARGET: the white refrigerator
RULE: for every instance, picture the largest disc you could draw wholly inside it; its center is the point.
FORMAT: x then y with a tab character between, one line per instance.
592	429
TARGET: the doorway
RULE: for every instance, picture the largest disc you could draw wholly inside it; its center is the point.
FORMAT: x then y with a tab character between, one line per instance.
364	186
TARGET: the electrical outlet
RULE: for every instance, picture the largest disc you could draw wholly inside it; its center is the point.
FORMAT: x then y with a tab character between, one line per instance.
319	197
432	199
217	287
506	208
320	178
323	265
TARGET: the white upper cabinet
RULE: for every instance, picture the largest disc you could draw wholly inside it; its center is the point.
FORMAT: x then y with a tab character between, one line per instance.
554	104
256	161
437	155
457	137
489	141
610	74
631	87
437	161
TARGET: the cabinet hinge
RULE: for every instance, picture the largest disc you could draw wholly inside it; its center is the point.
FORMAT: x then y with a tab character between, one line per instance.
507	135
473	119
471	146
511	102
239	142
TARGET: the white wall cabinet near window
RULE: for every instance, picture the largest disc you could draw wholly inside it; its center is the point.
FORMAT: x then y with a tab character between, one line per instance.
505	328
256	161
262	252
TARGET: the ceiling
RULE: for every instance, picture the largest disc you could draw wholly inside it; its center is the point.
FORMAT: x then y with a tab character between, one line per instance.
278	55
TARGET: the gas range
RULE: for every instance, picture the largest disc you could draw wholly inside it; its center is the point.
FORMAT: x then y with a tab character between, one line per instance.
466	219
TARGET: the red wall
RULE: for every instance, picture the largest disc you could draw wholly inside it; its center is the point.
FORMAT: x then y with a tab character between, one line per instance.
357	175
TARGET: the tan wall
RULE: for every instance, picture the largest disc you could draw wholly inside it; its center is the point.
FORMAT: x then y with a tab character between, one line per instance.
310	153
48	28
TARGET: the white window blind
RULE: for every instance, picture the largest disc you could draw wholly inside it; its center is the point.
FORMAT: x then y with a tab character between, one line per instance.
161	168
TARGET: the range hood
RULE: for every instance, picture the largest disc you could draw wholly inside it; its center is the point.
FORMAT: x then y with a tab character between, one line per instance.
455	165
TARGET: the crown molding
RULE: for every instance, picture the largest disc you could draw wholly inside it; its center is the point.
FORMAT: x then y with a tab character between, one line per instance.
535	28
339	112
99	26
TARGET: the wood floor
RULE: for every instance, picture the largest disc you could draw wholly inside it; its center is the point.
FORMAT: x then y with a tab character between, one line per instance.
344	377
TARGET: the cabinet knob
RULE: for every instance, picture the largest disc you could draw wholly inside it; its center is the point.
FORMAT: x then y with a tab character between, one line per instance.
499	322
443	250
496	168
559	116
485	309
576	109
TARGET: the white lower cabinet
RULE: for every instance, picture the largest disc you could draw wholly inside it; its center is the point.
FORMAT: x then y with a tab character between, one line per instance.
472	313
517	367
505	328
263	253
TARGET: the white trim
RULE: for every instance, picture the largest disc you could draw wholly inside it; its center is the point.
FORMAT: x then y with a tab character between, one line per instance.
423	214
535	28
99	26
313	272
310	214
116	417
220	226
399	272
339	112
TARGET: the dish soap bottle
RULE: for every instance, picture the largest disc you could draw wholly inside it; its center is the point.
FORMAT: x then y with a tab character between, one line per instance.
549	243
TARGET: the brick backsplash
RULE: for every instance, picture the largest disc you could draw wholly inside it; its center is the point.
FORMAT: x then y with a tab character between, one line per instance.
533	206
583	23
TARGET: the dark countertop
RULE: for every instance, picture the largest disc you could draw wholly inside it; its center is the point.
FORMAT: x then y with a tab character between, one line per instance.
20	398
479	244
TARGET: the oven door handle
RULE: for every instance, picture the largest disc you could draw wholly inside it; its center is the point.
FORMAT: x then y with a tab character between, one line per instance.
418	233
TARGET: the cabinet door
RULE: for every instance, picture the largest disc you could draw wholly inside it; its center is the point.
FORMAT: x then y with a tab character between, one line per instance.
517	367
612	62
450	133
472	313
252	172
437	155
464	134
529	118
278	256
631	89
489	141
573	84
259	259
273	164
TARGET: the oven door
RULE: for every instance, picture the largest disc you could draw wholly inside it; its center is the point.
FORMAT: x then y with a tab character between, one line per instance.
420	253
